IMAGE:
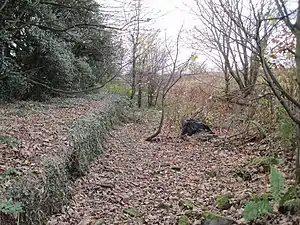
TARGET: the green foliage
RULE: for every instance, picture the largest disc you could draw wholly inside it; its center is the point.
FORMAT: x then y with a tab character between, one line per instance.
266	162
11	207
183	220
261	205
210	215
290	201
117	88
186	204
131	212
255	209
88	135
44	193
9	141
42	44
12	87
245	174
285	126
277	184
256	197
10	172
223	201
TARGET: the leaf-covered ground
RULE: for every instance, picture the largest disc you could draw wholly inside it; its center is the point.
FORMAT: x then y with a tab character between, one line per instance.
30	131
137	182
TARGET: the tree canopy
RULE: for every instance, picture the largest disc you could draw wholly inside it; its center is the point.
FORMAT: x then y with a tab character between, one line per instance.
64	45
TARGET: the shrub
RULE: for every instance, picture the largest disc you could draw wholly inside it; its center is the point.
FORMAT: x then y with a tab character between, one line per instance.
285	127
85	77
13	87
261	206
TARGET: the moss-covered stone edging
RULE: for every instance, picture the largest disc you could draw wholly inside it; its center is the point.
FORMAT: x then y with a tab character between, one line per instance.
43	193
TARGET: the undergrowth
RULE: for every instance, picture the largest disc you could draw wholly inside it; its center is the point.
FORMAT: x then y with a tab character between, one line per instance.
267	203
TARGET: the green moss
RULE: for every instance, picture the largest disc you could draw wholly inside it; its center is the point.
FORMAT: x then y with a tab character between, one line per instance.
210	215
183	220
11	142
186	204
243	173
131	212
223	201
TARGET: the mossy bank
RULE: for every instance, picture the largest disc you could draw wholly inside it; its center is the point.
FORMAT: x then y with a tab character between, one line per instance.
30	198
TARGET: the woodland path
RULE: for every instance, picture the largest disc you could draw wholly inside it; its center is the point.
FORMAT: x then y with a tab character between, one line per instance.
151	180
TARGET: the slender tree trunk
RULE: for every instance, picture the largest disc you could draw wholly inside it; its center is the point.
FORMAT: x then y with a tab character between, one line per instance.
135	39
298	96
133	82
139	101
150	97
161	123
227	80
298	153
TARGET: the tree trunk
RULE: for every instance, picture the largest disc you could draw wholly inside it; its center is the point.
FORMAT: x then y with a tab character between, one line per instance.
298	153
297	56
139	101
133	83
161	123
227	83
150	94
150	99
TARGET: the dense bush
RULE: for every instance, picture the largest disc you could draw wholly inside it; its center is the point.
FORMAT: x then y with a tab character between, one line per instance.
61	44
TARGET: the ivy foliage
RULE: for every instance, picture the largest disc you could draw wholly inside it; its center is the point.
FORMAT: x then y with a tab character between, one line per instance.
63	44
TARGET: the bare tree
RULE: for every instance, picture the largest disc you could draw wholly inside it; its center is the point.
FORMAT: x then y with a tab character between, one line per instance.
227	43
173	77
264	17
152	59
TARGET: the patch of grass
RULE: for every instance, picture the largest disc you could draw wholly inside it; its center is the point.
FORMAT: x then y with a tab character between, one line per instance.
117	88
10	141
183	220
211	173
210	215
11	207
285	127
186	204
10	172
259	207
131	212
223	201
290	201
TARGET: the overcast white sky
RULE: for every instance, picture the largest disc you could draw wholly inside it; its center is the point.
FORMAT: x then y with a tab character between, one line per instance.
174	14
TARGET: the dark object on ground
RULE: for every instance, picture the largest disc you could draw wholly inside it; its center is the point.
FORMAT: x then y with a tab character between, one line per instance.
192	126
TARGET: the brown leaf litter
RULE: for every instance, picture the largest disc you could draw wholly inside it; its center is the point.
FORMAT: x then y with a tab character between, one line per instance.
138	182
